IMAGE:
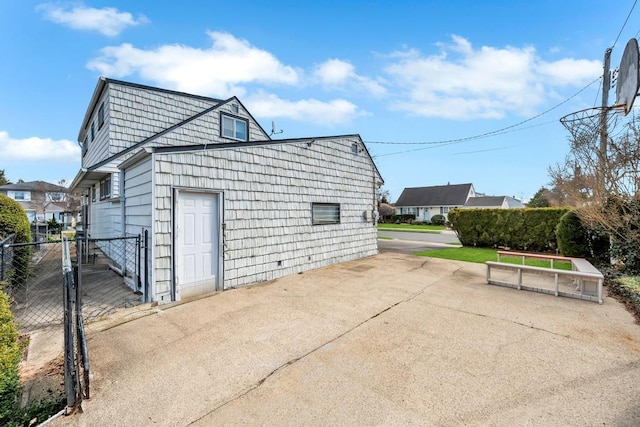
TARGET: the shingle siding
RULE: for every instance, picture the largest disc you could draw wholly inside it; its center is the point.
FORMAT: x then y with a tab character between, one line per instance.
267	193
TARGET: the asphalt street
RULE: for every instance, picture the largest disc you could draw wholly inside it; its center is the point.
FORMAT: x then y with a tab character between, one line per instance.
410	242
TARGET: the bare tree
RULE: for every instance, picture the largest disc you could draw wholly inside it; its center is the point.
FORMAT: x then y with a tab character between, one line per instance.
606	186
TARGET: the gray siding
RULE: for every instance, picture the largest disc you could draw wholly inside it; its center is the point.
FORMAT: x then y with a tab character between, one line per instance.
137	184
133	114
98	149
268	192
105	219
137	190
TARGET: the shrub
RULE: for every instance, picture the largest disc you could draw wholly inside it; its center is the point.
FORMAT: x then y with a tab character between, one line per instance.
577	239
10	353
54	226
572	236
438	220
13	220
521	229
403	218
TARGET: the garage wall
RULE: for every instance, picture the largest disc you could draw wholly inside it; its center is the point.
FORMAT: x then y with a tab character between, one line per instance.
268	192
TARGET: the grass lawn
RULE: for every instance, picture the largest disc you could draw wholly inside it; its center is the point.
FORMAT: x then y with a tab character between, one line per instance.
412	227
480	255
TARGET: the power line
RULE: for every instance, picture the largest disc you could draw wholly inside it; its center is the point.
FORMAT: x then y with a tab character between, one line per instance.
625	23
486	134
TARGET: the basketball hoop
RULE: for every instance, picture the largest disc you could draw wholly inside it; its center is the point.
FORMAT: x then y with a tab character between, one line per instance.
587	125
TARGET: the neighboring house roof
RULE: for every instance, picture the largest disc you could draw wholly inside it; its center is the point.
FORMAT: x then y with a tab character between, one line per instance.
493	201
439	195
34	186
484	201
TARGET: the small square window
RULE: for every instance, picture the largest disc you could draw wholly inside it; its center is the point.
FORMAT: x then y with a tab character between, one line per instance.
235	109
325	213
234	128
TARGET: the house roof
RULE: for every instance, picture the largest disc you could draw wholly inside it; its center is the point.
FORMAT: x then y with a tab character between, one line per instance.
493	201
439	195
485	201
34	186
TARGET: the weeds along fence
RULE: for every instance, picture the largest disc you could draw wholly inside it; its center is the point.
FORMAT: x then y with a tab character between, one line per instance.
108	276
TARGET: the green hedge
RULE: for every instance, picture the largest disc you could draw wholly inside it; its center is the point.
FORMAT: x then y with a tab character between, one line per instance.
13	220
403	218
10	353
531	229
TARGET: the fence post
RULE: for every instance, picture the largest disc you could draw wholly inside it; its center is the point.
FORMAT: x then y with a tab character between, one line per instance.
2	262
83	351
146	266
70	378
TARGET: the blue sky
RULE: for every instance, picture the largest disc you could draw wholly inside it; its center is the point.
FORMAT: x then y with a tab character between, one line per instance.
396	72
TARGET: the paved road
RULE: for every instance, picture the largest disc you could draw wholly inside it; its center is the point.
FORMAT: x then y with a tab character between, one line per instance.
409	242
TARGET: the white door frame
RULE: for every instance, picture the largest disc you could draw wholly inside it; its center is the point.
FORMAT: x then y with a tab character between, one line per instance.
219	229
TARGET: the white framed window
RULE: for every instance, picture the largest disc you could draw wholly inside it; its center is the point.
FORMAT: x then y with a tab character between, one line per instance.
325	213
21	196
234	128
444	210
105	188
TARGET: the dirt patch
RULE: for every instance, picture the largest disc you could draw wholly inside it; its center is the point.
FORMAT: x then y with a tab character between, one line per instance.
44	383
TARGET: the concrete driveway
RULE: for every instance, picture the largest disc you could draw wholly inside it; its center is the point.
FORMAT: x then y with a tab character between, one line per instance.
388	340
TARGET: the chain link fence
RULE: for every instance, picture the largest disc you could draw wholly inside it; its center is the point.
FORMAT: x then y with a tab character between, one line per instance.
109	276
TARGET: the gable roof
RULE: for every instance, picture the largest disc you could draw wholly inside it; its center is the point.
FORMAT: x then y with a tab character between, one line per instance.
484	201
439	195
34	186
493	201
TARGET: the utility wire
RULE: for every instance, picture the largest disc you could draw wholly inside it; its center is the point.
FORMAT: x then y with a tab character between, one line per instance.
487	134
625	23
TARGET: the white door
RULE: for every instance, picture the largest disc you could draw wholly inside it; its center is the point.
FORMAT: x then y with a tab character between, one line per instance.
197	243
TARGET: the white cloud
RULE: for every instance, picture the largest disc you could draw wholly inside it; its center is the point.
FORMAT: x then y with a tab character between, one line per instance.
108	21
337	111
35	148
468	83
336	73
218	71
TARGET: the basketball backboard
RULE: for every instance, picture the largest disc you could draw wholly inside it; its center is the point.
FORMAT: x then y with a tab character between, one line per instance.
628	76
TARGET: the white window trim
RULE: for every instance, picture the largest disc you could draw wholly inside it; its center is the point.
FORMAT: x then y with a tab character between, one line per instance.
235	120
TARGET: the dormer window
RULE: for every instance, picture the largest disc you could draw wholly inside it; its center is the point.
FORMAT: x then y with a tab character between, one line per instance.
234	128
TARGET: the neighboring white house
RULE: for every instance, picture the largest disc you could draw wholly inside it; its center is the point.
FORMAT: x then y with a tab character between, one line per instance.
493	202
41	200
425	202
223	203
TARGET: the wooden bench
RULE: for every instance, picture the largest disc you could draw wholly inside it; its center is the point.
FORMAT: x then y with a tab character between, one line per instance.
582	272
524	256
